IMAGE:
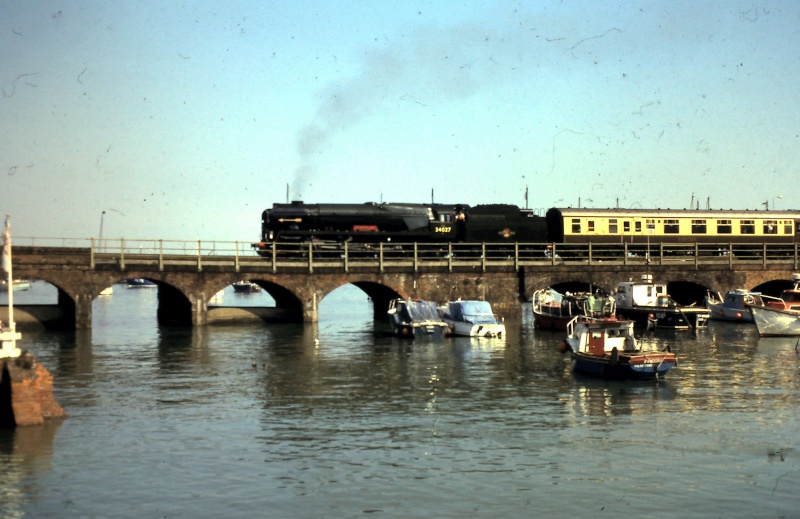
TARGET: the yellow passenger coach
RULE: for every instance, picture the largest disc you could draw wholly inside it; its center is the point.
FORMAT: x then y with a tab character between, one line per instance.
568	225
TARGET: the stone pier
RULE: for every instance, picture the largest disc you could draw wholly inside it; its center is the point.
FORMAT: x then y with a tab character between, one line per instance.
26	392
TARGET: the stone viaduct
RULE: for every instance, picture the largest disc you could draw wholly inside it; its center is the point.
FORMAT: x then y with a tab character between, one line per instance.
187	282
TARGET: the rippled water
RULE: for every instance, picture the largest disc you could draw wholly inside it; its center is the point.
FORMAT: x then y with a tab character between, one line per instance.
263	421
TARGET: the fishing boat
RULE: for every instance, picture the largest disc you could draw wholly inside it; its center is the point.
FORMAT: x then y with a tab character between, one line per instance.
472	319
780	317
552	311
246	287
733	305
607	348
648	304
414	319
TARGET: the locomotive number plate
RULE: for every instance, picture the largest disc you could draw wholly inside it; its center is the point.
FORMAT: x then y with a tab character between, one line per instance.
443	229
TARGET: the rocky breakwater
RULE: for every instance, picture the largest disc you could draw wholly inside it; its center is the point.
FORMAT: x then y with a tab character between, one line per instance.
26	392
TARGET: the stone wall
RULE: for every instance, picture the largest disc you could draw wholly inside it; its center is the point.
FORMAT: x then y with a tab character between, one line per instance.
26	392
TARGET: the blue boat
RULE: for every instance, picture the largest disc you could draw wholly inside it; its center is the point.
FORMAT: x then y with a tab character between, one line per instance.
734	305
606	348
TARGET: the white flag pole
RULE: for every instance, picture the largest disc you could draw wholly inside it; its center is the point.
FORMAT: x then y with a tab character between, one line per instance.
9	337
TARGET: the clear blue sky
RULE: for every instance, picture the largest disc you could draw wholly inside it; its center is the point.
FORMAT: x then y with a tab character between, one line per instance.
185	119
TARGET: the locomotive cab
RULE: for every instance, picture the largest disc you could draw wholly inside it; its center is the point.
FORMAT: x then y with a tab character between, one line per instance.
447	222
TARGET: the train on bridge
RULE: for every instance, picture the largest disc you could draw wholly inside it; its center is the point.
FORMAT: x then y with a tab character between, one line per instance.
372	223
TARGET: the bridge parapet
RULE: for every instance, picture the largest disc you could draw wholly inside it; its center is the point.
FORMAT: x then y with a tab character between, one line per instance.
190	272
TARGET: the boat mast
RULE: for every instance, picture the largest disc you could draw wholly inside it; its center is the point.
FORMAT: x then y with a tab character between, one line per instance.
9	336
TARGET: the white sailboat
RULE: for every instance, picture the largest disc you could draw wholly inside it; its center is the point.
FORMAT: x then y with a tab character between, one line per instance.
8	334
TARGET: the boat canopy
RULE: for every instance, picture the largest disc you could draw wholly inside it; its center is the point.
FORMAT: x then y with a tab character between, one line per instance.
476	312
420	311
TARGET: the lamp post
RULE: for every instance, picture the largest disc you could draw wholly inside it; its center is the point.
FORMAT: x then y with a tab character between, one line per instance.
102	217
779	197
100	238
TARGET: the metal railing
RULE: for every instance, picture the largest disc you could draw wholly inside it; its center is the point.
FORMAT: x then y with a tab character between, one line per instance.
413	256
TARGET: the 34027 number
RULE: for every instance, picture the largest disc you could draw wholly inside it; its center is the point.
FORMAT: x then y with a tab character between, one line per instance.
443	229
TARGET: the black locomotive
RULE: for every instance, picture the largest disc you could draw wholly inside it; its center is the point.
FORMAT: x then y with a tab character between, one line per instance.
398	223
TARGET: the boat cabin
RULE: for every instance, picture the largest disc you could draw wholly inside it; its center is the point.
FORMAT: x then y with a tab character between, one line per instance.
641	293
741	299
598	337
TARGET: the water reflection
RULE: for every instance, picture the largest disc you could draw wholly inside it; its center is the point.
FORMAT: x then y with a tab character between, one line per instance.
314	411
25	455
594	397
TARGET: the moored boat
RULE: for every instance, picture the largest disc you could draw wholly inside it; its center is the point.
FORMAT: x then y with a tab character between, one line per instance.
415	319
140	283
552	311
772	322
246	287
17	284
471	318
779	317
607	348
648	304
733	305
789	299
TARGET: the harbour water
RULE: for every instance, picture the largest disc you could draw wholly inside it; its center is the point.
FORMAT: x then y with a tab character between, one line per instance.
339	420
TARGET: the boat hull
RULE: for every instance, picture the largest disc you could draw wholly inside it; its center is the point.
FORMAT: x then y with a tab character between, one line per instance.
545	321
489	331
246	288
772	322
633	366
731	315
420	331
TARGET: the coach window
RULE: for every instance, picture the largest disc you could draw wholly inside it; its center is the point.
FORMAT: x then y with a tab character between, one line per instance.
787	227
612	226
698	226
747	227
576	226
724	227
671	227
638	226
590	226
770	227
651	226
626	226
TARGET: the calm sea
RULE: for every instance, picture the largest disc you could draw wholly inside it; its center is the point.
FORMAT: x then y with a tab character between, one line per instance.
338	420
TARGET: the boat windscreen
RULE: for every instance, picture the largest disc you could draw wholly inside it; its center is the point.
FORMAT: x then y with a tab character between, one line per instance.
422	311
478	312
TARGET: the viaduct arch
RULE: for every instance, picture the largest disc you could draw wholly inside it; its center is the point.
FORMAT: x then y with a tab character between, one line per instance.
187	284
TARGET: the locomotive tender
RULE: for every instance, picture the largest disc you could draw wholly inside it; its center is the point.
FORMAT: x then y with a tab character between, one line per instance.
371	222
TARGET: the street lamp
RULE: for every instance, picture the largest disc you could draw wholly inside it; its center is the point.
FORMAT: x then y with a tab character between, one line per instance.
102	217
779	197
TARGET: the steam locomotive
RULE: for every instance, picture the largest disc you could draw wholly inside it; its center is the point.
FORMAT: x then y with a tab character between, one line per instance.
497	223
398	223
